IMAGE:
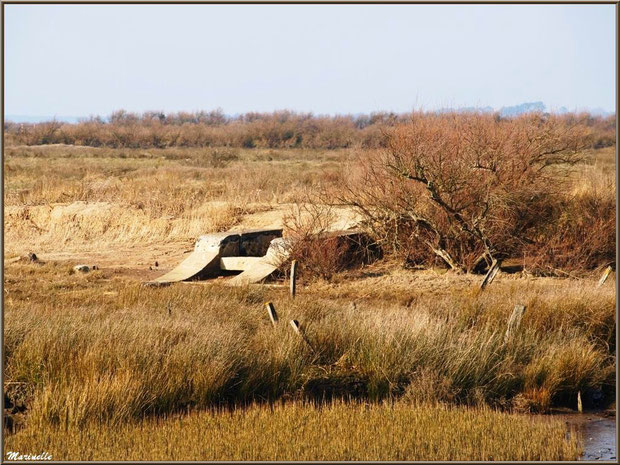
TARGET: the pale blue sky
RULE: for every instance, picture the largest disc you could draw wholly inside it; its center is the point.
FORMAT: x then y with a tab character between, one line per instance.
93	59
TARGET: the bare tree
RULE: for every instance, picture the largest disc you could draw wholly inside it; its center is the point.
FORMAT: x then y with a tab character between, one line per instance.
465	187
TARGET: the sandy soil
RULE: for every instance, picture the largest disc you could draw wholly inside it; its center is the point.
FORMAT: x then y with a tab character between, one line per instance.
143	261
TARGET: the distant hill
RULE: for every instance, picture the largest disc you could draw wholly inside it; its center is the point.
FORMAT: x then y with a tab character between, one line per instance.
528	107
522	108
600	112
467	110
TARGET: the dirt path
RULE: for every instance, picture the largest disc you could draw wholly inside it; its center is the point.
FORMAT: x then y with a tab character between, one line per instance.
141	262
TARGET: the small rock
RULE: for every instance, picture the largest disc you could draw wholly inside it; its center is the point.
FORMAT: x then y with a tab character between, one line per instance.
82	268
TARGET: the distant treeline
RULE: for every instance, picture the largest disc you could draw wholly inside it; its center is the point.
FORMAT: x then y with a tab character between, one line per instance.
281	129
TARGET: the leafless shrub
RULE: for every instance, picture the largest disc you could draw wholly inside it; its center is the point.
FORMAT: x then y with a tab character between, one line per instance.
305	226
466	189
579	234
219	158
320	250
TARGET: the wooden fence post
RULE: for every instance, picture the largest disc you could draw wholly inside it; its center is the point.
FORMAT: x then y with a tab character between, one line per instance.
604	277
273	316
515	320
299	331
490	276
293	278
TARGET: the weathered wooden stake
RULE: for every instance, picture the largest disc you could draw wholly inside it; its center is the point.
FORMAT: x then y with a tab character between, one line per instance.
297	328
515	320
490	276
606	274
293	278
273	316
295	325
579	405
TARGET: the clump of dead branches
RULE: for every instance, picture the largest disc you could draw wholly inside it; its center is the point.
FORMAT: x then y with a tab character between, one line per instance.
466	190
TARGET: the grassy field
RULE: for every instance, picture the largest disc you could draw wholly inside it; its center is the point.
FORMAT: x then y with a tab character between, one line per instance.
135	350
305	432
101	361
63	197
153	195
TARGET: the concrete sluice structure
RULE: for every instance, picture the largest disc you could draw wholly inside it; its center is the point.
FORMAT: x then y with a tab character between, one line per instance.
254	255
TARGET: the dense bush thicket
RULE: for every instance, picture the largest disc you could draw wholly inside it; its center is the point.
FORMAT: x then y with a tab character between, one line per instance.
282	129
466	190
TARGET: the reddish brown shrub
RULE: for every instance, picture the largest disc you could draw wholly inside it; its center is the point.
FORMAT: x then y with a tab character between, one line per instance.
578	233
467	189
280	129
320	251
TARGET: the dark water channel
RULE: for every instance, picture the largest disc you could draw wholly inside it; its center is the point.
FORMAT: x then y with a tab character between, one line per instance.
598	431
599	434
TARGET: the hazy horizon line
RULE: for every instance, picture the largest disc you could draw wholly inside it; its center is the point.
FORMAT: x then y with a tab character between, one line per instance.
28	118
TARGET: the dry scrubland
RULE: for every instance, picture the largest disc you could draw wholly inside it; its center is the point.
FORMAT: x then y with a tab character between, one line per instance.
157	195
108	369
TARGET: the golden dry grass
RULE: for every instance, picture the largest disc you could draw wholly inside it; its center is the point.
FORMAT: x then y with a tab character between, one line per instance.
99	351
105	348
65	198
58	196
295	431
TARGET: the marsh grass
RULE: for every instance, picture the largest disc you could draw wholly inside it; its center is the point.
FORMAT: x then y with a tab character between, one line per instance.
50	174
300	431
107	349
108	366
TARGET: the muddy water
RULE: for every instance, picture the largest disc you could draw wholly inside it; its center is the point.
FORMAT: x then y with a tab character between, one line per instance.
598	432
599	435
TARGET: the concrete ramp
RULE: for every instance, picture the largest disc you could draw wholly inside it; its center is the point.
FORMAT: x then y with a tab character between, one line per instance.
261	269
238	263
205	260
256	254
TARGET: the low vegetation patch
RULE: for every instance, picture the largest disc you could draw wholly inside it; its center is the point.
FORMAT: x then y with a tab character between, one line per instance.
294	431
